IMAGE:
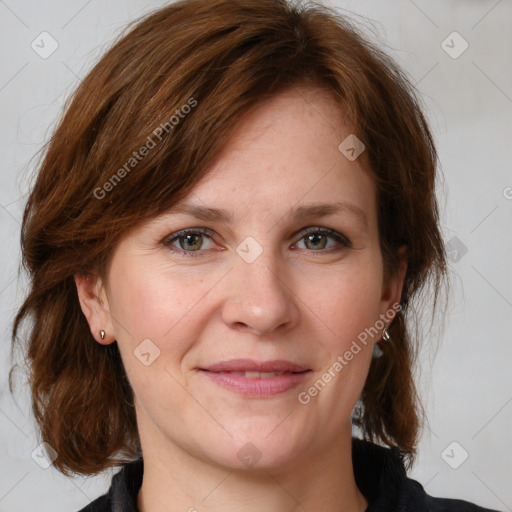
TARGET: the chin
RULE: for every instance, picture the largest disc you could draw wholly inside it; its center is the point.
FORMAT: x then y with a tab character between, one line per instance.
257	444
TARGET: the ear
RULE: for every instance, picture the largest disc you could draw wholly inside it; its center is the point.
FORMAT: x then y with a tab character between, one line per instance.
94	304
392	291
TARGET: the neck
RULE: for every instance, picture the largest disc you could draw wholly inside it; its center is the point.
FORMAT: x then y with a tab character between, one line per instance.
175	480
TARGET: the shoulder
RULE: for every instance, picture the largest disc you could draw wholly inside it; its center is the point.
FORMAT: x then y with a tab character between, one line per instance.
122	494
415	498
101	504
381	476
449	505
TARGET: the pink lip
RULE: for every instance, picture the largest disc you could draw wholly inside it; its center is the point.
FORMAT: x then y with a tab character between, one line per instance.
221	374
249	365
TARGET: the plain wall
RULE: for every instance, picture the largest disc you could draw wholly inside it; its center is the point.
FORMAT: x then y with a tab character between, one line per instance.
467	383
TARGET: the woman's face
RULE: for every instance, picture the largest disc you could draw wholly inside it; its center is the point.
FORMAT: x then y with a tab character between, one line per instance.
193	312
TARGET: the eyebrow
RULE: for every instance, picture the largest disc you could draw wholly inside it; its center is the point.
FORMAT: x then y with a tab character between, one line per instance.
299	212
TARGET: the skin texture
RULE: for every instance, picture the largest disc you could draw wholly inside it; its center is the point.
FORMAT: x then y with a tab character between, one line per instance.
297	301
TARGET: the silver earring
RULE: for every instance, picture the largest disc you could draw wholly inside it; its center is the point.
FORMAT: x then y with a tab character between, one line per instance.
102	334
386	338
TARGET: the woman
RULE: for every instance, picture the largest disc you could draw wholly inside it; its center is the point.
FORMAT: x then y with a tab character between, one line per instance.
227	237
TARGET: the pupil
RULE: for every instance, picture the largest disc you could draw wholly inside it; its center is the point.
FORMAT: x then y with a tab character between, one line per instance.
314	237
190	238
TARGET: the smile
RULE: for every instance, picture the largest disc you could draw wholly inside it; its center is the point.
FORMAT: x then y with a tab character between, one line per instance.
257	384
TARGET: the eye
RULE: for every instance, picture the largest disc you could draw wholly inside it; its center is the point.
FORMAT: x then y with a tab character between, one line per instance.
317	238
189	240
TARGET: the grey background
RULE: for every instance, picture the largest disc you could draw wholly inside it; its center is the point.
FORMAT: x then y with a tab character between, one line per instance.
467	384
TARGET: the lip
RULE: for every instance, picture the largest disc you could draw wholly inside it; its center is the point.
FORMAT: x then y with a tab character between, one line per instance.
222	374
250	365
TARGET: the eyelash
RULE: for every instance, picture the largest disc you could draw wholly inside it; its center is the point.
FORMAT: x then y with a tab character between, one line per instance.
341	239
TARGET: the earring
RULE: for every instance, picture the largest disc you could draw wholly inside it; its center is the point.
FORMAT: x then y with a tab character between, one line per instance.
102	334
386	338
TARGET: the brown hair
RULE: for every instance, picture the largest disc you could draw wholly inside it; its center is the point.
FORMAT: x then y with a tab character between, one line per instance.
220	57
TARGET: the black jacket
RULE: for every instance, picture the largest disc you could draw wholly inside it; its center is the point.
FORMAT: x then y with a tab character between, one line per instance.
379	472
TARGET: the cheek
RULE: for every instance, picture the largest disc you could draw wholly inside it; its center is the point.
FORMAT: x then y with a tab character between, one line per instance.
348	302
149	309
347	307
152	301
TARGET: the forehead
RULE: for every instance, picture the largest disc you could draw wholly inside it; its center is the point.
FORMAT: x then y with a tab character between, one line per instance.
285	154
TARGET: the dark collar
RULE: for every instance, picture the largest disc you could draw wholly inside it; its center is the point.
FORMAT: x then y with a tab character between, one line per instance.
380	475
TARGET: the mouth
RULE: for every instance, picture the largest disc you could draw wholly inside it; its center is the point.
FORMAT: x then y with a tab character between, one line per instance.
251	378
250	365
258	375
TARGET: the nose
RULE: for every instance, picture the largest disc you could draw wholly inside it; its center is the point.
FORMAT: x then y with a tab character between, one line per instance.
260	298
